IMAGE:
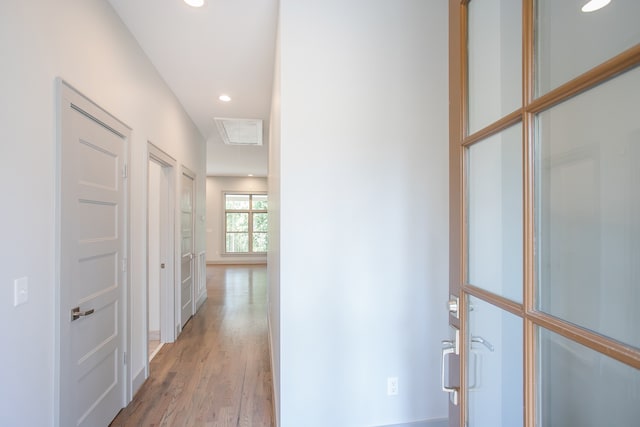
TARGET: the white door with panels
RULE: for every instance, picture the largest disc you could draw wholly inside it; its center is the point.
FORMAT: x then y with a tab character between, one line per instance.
187	259
92	270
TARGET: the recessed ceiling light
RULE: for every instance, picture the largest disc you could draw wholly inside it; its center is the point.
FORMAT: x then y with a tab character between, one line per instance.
250	174
594	5
224	98
195	3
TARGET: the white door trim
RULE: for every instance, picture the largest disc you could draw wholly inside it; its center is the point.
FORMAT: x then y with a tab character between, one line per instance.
67	96
167	322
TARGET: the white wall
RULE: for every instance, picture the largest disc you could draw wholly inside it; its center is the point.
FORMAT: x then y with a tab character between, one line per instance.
216	186
361	174
227	160
85	43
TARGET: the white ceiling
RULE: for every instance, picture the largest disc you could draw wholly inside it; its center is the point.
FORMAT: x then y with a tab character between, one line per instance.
225	47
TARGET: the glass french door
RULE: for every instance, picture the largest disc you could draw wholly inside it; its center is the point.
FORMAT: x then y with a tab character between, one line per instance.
545	213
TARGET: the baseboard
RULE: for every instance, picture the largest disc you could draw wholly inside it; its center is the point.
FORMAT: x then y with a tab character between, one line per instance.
201	299
154	335
156	351
138	380
441	422
275	397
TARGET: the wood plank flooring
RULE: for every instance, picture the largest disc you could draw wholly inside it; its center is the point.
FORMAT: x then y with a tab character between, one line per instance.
218	372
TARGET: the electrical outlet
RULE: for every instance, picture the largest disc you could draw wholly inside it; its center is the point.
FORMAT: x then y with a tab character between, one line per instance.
20	291
392	386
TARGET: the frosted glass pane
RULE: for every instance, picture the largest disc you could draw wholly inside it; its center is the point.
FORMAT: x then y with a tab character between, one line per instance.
580	387
570	42
495	60
588	209
494	367
494	213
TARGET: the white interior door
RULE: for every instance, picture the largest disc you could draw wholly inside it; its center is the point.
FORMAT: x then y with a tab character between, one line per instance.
186	275
155	252
93	262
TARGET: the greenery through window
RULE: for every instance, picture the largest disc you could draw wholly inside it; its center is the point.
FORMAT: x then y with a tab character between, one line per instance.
245	223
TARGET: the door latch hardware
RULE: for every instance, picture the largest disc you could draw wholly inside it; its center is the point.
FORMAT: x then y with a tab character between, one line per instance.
76	313
453	305
449	347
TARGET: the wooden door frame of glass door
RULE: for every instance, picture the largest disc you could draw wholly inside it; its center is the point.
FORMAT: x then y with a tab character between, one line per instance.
459	140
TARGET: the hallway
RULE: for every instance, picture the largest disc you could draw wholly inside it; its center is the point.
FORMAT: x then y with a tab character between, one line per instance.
218	372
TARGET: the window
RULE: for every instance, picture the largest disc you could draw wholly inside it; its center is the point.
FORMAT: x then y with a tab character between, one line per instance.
245	223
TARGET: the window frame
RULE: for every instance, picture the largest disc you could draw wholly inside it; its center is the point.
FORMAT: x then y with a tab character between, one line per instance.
250	212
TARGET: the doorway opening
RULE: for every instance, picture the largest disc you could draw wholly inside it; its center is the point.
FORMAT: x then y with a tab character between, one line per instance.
160	250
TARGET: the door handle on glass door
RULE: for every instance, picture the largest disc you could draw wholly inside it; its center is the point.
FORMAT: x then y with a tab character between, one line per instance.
449	347
480	340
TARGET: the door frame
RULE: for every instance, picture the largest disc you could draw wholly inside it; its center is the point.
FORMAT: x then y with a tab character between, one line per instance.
68	95
456	200
167	243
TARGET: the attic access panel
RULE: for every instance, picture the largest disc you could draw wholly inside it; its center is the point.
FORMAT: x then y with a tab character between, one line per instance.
240	131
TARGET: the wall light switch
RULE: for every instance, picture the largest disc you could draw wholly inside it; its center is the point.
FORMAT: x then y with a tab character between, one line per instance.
20	291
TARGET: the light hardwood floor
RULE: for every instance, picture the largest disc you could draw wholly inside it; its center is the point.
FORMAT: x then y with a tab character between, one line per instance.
218	372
